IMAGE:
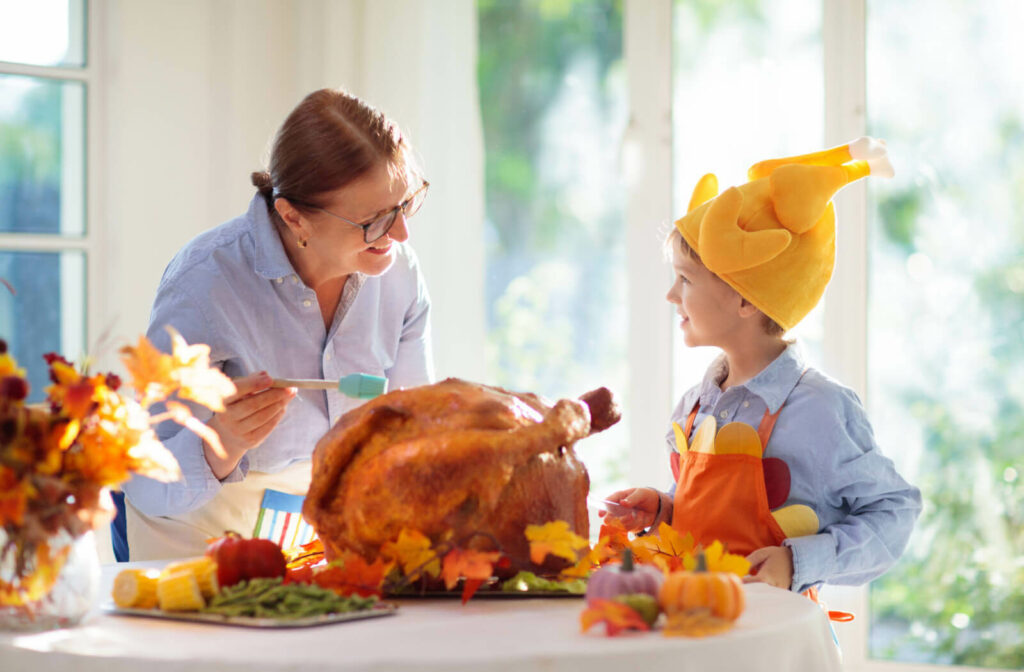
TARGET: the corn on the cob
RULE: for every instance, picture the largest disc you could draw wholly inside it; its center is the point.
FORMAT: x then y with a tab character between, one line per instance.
179	591
135	588
203	568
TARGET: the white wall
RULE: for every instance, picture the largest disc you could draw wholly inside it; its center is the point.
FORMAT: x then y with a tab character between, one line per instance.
193	91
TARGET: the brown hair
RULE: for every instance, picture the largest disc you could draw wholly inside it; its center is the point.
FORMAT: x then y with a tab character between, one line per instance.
771	327
330	139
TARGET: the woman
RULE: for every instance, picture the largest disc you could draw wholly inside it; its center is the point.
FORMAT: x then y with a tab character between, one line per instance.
314	281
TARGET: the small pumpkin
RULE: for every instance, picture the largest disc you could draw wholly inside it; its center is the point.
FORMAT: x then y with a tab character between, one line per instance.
627	578
720	593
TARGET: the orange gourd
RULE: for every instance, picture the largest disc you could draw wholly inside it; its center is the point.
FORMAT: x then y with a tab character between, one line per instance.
720	593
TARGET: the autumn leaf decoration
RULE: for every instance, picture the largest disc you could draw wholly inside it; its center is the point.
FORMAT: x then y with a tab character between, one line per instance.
554	538
476	566
718	560
616	616
612	541
196	381
185	372
351	574
414	555
58	459
667	550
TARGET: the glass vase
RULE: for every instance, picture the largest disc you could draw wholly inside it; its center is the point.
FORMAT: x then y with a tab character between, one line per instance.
56	588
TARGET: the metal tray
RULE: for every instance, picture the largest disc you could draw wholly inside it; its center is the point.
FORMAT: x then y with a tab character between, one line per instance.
381	609
484	594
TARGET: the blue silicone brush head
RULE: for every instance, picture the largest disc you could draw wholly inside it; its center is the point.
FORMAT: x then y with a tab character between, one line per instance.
362	386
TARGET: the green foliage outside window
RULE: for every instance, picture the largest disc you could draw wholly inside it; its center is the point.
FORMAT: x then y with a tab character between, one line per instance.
552	98
946	324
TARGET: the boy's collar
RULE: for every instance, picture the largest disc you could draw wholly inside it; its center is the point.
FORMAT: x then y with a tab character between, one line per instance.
773	384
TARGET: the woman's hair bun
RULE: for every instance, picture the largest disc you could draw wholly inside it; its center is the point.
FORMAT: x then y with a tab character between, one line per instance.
261	180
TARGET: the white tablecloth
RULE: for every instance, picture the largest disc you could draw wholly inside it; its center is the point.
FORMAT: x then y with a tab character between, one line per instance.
778	631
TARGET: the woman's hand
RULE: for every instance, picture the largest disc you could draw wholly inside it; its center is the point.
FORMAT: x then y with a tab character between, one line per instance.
249	417
640	507
772	565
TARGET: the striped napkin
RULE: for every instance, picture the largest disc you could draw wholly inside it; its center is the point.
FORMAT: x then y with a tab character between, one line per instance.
280	520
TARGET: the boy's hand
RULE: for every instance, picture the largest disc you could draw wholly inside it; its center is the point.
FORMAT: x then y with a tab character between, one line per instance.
772	565
639	507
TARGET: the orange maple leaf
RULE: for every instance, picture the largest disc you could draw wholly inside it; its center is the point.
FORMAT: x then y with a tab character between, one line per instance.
350	574
413	553
554	538
475	566
307	554
151	371
613	539
195	379
616	617
667	549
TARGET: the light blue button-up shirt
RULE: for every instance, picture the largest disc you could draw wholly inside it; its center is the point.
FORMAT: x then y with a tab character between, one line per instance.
234	289
866	510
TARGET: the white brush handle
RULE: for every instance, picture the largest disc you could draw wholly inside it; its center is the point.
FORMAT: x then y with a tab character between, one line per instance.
305	383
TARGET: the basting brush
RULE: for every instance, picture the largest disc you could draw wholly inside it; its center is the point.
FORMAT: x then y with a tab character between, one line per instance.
355	385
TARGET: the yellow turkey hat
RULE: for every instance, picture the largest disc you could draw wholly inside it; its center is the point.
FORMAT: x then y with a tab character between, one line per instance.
773	238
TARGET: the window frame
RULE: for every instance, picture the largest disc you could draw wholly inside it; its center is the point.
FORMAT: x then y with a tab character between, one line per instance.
89	242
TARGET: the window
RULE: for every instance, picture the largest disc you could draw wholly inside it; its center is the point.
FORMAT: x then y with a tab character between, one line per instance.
44	237
553	102
946	310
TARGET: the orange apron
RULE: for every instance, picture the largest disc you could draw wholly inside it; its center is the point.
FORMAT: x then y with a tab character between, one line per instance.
723	497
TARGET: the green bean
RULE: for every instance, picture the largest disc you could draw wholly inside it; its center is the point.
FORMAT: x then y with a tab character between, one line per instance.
270	598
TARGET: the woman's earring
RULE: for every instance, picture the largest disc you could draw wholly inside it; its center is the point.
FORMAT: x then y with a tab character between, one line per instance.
303	243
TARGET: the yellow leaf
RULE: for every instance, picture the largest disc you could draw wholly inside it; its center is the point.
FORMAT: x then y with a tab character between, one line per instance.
587	563
720	561
195	379
554	538
667	550
9	366
413	553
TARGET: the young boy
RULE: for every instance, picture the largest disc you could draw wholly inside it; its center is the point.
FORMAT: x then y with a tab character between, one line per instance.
823	505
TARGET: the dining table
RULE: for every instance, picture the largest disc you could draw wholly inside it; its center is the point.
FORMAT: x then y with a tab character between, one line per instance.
778	630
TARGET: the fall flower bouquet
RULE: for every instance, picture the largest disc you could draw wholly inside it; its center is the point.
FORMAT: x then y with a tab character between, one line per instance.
59	459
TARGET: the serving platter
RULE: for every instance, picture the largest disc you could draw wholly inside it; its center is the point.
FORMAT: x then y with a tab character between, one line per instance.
484	594
490	589
378	610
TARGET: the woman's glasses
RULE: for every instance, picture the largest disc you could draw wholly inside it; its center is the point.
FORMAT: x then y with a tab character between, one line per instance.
377	227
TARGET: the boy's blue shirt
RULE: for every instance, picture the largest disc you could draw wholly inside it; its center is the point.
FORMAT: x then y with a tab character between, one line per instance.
866	510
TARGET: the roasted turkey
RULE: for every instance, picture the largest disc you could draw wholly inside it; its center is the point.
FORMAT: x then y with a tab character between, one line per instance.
454	460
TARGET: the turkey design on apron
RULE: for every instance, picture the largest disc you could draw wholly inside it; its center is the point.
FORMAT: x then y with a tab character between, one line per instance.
726	489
